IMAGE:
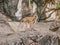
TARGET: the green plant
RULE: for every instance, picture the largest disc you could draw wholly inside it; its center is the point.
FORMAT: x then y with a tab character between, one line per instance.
58	5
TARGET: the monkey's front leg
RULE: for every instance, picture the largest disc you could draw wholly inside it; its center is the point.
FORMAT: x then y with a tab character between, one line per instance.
28	25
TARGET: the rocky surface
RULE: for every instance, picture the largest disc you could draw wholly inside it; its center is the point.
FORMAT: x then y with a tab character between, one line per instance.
30	37
11	35
38	35
4	26
9	7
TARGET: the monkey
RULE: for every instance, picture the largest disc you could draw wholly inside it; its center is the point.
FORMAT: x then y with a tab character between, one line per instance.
28	21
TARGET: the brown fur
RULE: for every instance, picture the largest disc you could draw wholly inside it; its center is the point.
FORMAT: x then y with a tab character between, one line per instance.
28	21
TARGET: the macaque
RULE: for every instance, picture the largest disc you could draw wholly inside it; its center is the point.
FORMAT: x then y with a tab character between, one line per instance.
28	21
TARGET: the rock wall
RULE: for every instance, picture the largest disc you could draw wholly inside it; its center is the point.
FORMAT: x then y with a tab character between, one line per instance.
8	8
15	9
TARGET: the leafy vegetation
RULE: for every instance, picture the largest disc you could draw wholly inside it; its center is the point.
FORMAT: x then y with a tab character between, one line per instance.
58	5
